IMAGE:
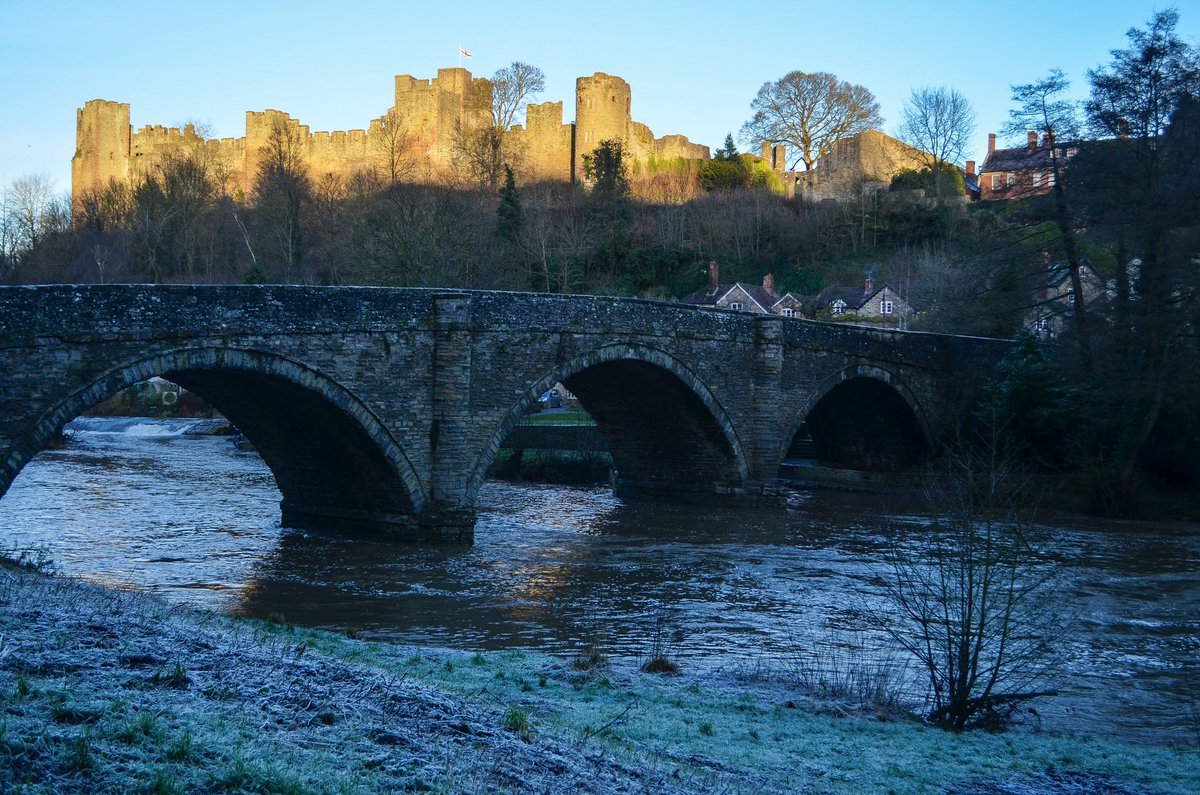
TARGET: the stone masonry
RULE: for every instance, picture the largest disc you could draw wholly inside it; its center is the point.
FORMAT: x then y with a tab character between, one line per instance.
380	409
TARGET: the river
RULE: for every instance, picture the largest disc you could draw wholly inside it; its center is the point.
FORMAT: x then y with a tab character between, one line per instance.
144	503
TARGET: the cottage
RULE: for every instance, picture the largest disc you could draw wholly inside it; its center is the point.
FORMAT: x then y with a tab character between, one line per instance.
878	306
742	297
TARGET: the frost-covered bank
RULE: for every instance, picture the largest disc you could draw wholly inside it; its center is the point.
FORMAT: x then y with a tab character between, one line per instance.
110	691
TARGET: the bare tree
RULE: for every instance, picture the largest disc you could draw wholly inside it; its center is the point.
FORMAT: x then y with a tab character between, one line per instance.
282	191
810	111
939	123
30	206
394	147
513	88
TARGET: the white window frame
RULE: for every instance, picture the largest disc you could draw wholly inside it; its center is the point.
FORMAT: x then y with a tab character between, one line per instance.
787	311
887	307
1036	179
1012	180
995	182
838	307
736	306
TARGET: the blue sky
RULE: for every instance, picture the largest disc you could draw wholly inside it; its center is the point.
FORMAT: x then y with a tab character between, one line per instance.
694	67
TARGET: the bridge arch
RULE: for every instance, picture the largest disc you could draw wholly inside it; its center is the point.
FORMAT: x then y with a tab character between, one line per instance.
335	462
631	391
864	415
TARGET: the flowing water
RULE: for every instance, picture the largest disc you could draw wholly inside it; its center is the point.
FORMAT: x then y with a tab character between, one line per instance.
146	503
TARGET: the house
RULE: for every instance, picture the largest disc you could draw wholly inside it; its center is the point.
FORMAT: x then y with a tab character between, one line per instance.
1022	172
1054	300
741	297
878	306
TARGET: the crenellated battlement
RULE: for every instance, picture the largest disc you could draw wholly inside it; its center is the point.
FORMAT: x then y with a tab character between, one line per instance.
423	120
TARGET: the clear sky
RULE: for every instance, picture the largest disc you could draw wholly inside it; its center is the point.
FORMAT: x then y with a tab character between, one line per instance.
694	67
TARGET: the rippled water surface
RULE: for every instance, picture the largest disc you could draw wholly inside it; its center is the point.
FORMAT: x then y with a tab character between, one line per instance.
554	568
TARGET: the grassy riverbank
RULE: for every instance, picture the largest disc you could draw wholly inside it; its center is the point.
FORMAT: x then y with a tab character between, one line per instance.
111	691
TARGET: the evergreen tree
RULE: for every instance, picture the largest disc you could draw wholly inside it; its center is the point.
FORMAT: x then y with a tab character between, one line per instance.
509	218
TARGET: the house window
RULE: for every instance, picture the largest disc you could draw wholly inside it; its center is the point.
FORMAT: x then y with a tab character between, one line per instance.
787	312
1037	179
995	182
1043	324
886	307
736	306
1070	295
839	307
1050	179
1012	179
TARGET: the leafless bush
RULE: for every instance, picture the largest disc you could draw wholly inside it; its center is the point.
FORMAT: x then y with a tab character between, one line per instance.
976	609
850	672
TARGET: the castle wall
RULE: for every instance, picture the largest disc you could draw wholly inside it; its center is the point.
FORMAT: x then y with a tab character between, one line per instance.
870	157
545	143
428	112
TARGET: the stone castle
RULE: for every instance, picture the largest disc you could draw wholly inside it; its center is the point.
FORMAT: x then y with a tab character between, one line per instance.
426	114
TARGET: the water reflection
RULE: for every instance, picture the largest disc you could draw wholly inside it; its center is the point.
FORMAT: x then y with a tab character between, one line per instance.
557	569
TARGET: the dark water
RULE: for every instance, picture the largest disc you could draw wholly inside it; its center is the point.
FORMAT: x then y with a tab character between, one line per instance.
556	568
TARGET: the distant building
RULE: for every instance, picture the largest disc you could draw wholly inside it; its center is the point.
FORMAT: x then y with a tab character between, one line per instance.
1054	300
759	299
1022	172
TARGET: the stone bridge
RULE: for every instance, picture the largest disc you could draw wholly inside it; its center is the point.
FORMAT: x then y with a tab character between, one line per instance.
381	409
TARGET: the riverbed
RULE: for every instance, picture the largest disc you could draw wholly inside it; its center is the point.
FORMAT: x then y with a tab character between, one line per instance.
147	504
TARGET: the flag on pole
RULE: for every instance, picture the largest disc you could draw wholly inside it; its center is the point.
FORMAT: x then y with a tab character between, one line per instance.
463	53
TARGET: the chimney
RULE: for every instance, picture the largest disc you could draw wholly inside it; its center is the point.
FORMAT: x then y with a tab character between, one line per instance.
769	283
713	281
1123	129
991	142
970	168
1047	139
1032	140
869	286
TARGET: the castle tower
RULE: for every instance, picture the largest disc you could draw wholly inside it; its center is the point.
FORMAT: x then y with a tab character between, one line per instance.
602	112
102	139
430	110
